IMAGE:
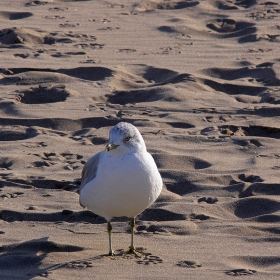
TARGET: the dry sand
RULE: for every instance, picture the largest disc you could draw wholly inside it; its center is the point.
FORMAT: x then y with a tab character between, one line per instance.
201	81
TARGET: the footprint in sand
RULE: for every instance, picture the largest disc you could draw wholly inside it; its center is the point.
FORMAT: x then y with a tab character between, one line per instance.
81	37
15	15
262	50
67	54
235	4
200	217
150	259
43	94
89	46
6	163
108	28
229	28
79	264
168	228
250	178
188	264
54	17
58	9
147	6
69	25
126	50
36	3
240	272
22	55
251	130
209	200
72	161
16	133
268	14
11	195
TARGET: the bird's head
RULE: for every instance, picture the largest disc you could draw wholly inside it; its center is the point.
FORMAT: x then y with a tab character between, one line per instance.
125	138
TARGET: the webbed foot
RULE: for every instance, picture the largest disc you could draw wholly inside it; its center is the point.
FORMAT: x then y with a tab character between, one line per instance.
133	251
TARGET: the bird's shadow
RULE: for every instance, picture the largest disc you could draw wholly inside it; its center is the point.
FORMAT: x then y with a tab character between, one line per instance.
25	260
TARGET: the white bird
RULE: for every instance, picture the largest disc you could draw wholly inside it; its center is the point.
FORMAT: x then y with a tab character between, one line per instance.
121	181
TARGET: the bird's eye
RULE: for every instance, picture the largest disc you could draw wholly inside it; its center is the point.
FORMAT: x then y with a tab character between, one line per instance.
127	138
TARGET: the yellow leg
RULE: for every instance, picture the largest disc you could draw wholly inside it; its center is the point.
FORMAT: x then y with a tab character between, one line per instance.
109	228
131	248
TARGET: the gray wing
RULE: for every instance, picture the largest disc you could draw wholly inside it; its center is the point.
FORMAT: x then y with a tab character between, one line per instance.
89	170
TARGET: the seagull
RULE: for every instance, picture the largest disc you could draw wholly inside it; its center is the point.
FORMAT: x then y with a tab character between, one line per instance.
122	180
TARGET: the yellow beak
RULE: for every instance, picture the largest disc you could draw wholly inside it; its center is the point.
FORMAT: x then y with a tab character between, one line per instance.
111	146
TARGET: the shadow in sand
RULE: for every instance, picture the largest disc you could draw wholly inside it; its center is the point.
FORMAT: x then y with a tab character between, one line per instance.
24	260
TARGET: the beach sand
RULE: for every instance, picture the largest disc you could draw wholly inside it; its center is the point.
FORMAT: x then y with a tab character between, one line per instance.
199	79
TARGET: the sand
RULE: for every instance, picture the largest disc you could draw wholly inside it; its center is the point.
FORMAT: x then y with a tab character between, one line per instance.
200	80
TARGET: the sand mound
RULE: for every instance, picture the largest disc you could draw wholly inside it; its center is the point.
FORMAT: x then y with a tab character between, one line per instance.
24	36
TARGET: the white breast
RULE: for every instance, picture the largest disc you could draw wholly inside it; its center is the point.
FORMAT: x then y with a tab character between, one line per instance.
123	186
